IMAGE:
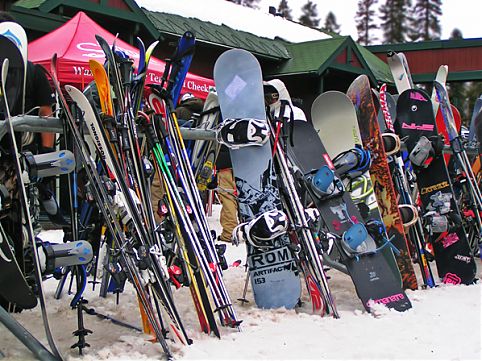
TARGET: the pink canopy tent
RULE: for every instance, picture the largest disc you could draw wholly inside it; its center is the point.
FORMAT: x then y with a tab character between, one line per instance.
75	44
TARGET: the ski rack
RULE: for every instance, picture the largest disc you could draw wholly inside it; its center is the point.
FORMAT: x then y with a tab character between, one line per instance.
32	123
25	337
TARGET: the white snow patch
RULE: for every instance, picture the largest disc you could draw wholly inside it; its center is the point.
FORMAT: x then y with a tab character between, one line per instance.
444	324
237	17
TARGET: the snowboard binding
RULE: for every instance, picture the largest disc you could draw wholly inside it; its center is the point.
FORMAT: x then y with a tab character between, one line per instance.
262	230
391	143
352	163
435	222
426	150
326	184
354	239
409	214
243	132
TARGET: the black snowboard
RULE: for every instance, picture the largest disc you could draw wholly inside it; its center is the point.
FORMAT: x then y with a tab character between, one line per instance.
371	274
455	263
13	286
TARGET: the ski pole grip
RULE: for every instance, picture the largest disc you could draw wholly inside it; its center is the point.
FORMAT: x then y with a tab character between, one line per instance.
152	138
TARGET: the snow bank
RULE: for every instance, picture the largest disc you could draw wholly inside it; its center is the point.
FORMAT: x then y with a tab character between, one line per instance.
445	323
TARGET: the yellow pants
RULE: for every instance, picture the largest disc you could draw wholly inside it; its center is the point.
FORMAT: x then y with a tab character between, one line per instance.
229	210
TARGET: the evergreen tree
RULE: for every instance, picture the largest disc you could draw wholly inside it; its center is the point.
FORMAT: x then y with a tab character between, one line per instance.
309	15
458	91
331	26
284	10
425	21
364	20
248	3
456	34
394	18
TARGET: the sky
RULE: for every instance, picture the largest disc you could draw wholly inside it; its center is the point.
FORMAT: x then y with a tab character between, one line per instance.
461	14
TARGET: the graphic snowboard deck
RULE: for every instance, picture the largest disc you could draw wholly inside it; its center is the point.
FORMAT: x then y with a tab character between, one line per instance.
360	94
372	274
455	263
342	120
274	274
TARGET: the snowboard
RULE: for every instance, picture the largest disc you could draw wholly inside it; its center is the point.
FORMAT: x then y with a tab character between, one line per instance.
273	272
16	33
454	261
333	112
475	112
400	72
370	271
13	285
360	94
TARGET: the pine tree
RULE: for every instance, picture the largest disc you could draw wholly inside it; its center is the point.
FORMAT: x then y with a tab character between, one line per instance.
248	3
394	18
309	16
284	10
331	26
456	34
458	91
364	21
425	24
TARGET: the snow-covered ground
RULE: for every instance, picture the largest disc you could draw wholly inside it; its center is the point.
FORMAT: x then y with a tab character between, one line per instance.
444	323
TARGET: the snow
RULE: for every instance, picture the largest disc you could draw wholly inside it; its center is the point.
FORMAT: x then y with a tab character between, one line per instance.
444	323
237	17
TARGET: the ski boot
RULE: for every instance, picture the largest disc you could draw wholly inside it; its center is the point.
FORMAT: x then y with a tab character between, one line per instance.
262	230
244	132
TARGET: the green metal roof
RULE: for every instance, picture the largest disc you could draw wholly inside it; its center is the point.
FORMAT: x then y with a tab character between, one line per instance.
130	12
427	45
29	4
316	56
220	35
380	69
308	57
